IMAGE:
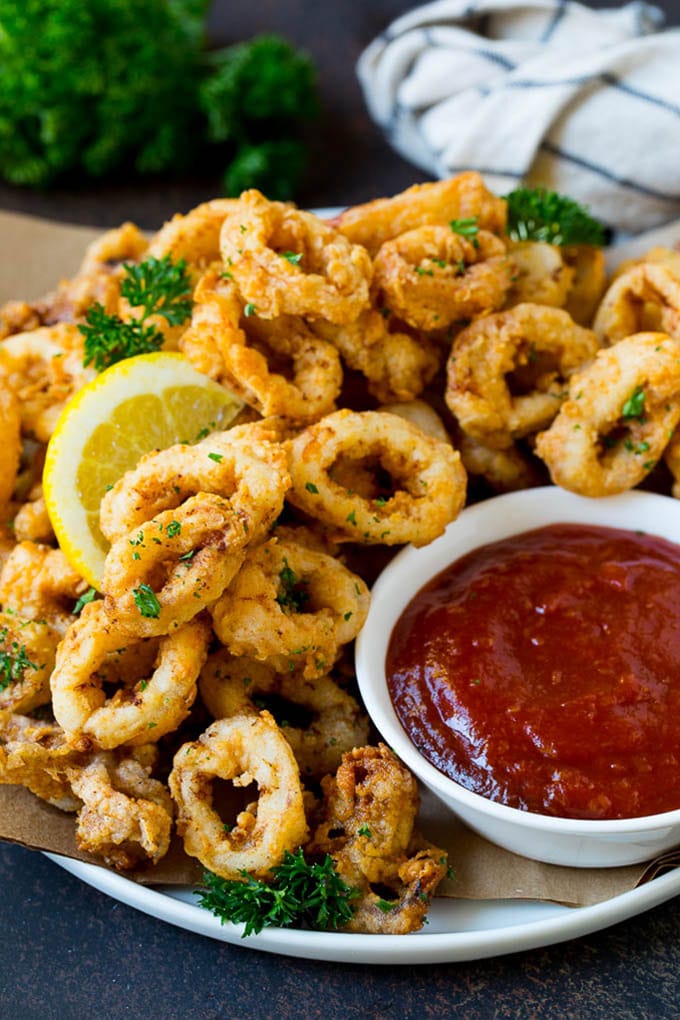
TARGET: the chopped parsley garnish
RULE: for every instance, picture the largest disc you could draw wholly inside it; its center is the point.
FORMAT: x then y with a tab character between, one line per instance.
311	487
146	601
249	310
217	457
294	593
87	596
385	905
173	528
309	895
466	227
157	287
536	214
352	517
292	256
634	407
364	830
13	662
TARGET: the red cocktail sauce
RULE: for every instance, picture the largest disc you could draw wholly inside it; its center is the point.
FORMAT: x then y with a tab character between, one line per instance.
543	672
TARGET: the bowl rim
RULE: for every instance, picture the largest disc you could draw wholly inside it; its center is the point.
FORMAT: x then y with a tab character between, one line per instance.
508	514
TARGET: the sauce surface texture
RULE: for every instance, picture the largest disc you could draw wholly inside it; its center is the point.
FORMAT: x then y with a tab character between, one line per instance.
543	672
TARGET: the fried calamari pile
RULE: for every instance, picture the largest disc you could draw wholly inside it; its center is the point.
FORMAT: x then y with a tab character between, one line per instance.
383	357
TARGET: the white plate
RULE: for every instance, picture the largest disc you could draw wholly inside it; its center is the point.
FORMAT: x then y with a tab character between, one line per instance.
458	929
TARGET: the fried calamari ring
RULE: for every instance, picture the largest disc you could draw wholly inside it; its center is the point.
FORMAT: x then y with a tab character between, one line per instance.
617	421
243	749
27	653
288	262
645	298
589	281
431	276
462	197
531	348
186	557
420	481
249	355
291	607
39	583
193	236
233	686
541	275
396	364
126	816
44	368
243	465
138	712
369	812
10	447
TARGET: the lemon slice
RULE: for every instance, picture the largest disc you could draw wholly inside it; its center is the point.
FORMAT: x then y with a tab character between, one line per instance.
141	404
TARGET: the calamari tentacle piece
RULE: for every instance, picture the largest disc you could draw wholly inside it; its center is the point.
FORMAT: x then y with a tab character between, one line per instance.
369	812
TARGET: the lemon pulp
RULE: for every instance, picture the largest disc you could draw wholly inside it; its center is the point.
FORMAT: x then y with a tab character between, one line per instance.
141	404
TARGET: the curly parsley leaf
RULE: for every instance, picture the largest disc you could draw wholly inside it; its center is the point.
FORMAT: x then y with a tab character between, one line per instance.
536	214
157	287
311	895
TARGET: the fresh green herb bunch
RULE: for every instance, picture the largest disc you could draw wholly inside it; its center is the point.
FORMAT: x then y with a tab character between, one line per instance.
311	895
124	84
536	214
256	92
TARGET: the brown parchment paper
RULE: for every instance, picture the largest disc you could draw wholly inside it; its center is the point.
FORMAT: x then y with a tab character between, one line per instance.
34	256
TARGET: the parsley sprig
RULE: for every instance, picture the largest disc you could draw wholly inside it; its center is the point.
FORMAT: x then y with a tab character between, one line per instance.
310	895
156	286
536	214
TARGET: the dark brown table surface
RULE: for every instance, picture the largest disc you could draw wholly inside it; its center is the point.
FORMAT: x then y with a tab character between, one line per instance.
69	952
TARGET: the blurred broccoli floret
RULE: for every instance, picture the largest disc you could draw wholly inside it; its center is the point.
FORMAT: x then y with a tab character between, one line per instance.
110	84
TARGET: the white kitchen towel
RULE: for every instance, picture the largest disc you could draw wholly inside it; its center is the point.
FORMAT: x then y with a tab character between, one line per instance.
547	91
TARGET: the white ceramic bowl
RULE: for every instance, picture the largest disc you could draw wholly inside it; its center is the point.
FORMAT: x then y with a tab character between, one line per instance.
555	840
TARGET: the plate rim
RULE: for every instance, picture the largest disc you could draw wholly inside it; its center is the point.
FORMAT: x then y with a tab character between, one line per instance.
347	947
